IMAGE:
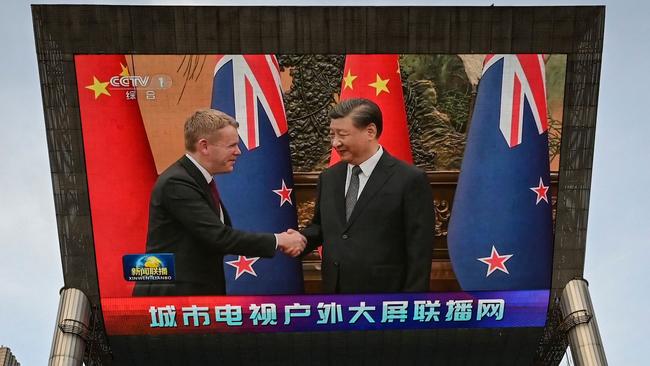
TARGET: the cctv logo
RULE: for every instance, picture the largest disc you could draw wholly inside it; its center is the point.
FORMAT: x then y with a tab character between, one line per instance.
129	81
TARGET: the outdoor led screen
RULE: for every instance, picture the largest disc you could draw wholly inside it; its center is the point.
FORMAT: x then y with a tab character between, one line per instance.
496	119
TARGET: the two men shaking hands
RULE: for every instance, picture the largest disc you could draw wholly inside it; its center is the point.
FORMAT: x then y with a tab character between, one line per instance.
373	212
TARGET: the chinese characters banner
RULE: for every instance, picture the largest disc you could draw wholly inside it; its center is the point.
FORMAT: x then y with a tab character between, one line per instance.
214	314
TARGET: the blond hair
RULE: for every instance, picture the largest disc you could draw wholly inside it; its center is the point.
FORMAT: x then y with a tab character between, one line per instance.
203	124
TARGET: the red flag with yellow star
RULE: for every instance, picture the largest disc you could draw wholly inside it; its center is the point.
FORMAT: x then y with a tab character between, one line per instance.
377	77
119	164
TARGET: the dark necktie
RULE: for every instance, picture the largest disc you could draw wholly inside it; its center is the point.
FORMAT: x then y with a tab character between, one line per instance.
215	194
353	192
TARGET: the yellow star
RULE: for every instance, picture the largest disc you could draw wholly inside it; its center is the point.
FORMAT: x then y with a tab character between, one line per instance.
125	70
98	87
349	78
380	85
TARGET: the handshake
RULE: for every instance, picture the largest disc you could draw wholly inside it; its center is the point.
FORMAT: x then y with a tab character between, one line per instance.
291	242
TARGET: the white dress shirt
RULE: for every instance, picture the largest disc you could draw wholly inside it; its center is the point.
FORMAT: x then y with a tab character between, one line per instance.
366	169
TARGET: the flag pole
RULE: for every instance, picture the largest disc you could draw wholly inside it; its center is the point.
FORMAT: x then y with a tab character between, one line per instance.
580	324
72	329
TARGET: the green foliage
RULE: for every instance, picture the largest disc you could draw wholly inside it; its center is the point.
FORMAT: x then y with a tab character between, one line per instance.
456	104
555	77
554	137
451	91
446	71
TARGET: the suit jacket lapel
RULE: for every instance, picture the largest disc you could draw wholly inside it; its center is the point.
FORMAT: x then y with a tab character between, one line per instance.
195	173
226	217
383	170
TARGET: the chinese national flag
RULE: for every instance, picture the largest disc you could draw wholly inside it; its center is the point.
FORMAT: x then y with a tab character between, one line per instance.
377	77
119	165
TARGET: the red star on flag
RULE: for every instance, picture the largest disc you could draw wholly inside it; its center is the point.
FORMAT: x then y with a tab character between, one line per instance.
495	261
284	193
243	265
541	191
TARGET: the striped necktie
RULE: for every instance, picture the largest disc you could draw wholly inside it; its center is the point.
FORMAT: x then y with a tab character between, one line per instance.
353	192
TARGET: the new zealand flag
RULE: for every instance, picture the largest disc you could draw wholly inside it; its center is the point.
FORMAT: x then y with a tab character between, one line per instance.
500	234
258	194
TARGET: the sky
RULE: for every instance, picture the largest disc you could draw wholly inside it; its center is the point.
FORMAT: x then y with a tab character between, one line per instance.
615	264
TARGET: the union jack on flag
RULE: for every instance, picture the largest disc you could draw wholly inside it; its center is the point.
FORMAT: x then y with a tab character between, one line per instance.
258	194
500	234
255	83
523	78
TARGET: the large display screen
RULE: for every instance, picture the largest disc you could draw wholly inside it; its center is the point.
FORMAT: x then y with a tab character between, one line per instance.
175	255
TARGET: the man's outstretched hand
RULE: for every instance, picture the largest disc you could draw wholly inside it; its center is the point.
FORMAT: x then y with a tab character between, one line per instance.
291	242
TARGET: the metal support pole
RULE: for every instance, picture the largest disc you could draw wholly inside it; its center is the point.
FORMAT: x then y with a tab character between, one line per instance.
581	326
71	331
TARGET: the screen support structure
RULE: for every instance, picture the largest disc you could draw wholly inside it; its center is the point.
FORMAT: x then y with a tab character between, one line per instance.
72	329
580	324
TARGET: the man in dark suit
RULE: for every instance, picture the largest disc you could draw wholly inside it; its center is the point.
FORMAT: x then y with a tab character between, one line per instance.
373	214
187	218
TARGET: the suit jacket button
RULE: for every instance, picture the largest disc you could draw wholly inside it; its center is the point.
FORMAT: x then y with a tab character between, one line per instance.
345	236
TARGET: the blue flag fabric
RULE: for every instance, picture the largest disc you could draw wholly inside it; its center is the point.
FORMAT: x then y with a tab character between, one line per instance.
258	194
500	233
